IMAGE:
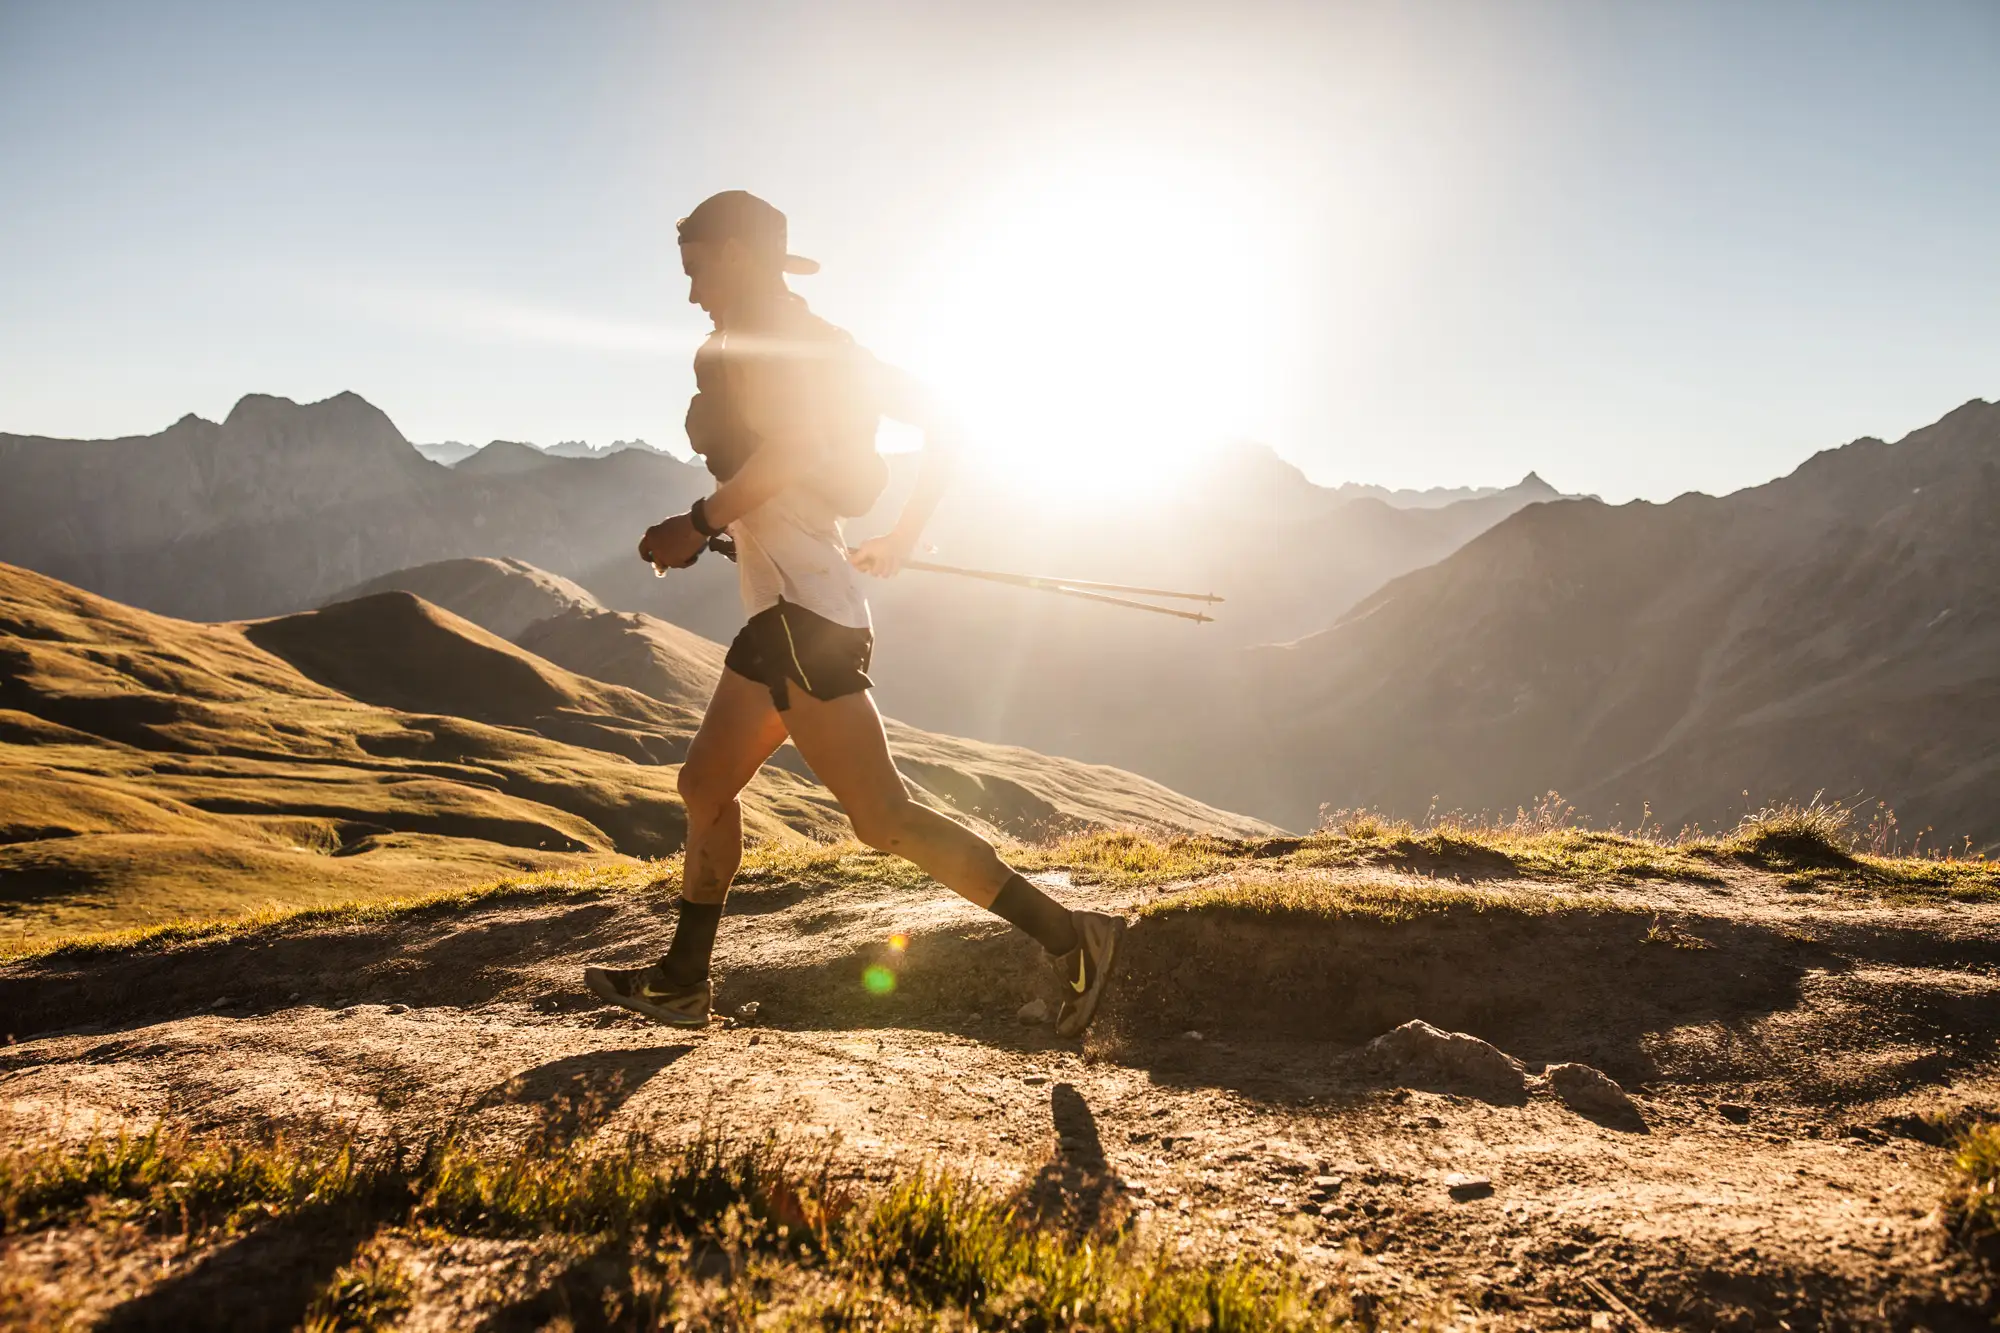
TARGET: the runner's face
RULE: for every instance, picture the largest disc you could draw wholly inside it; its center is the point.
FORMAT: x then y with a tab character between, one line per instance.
698	261
718	272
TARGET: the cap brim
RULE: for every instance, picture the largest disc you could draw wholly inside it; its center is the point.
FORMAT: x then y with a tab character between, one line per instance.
800	264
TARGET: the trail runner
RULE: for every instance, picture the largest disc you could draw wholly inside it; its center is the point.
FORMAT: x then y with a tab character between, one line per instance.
785	416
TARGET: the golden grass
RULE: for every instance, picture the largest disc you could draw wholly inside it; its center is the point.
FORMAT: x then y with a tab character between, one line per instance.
1381	898
1973	1202
1805	845
279	919
1542	865
802	1245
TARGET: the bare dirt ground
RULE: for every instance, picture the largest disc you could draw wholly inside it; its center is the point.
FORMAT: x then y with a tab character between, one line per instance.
1796	1059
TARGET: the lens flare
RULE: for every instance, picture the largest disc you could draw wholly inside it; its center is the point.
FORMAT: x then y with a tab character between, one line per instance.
878	980
899	941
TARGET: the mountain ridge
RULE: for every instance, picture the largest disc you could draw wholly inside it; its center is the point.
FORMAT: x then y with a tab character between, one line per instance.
1837	632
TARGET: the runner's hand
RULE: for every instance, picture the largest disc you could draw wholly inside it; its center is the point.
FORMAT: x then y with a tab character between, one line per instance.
672	543
881	556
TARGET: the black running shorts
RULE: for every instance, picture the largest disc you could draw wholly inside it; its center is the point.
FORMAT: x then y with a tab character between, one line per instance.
786	643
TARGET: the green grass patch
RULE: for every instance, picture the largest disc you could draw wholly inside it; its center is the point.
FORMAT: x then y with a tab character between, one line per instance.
708	1232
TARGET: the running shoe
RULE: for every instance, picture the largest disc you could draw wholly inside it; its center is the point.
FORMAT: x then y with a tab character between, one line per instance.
644	991
1085	971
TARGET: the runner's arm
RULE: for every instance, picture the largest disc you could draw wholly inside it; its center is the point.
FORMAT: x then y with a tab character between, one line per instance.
778	407
775	411
775	465
905	400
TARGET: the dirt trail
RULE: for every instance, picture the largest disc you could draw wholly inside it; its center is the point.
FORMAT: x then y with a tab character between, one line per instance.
1782	1049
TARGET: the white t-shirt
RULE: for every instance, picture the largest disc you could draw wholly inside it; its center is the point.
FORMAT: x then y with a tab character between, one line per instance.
791	546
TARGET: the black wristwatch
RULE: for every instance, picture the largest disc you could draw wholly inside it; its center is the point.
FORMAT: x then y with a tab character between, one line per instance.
698	515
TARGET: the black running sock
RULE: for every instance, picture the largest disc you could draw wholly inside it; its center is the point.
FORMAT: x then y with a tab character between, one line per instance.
686	960
1035	912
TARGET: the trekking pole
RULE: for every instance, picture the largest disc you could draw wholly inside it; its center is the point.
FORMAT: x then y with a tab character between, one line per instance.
1088	591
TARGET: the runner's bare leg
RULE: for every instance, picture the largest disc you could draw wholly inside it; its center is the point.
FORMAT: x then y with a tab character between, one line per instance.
842	739
740	730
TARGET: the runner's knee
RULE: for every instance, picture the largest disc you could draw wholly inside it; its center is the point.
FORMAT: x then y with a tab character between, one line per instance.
704	796
887	828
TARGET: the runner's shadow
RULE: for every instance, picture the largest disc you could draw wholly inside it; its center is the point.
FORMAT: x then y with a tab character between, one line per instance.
261	1280
1073	1190
575	1095
576	1297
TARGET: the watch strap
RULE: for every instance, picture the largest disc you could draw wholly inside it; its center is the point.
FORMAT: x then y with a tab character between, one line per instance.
698	515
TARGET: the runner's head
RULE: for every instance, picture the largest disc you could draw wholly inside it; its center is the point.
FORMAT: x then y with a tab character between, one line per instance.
733	248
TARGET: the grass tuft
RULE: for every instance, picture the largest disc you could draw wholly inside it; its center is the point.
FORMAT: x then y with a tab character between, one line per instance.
1973	1204
1788	836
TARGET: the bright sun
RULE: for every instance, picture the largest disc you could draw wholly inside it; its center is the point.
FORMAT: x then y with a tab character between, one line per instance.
1107	329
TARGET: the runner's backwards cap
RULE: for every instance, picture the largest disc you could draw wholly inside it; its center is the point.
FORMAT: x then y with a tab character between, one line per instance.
743	216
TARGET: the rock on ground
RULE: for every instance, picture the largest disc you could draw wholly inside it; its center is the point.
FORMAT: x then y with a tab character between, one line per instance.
1419	1053
1589	1091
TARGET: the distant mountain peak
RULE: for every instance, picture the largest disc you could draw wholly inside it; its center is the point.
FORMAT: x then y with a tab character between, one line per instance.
346	411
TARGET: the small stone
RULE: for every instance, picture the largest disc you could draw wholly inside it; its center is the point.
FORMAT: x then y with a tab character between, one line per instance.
749	1011
1191	1035
754	1039
1735	1112
399	1008
1324	1185
1463	1187
1034	1011
1034	1080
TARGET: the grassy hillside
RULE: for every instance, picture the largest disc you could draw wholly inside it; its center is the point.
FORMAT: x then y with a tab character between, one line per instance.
155	769
1020	792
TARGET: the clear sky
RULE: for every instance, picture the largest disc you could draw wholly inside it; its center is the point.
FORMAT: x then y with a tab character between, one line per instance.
1642	248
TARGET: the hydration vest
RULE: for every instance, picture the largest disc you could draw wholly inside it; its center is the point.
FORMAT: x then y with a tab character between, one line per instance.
822	362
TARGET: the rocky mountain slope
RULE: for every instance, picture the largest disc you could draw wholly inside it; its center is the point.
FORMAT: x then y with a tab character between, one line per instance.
282	505
1836	630
154	768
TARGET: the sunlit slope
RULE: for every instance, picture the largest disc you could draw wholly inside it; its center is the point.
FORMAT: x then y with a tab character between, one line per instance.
469	588
1838	629
1021	792
153	767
